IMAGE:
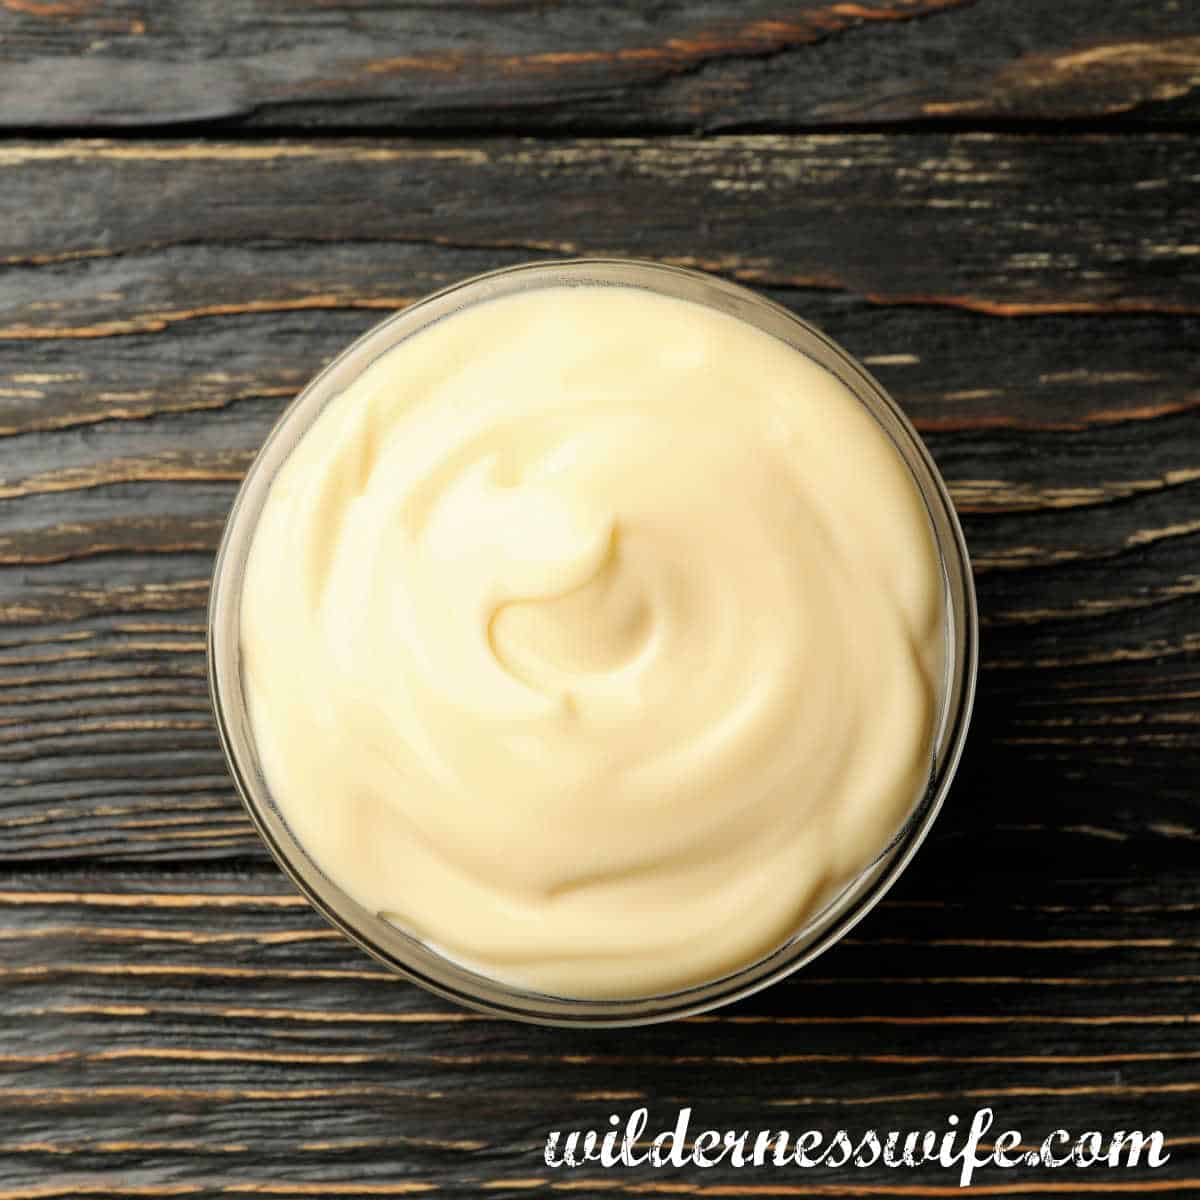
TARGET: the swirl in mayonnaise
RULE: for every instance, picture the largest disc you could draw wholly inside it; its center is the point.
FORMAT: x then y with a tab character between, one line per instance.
593	637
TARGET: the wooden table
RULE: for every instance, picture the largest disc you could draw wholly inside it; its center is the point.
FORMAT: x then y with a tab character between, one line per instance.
995	204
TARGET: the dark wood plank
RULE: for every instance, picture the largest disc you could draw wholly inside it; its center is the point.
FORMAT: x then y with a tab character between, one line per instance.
144	353
1009	226
571	65
211	1032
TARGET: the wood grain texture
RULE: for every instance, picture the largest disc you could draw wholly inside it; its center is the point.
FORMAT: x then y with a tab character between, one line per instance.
1007	226
167	1031
572	65
174	1020
146	350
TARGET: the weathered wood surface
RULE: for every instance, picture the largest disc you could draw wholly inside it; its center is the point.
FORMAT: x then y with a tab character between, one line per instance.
1005	225
174	1021
1034	303
576	65
209	1032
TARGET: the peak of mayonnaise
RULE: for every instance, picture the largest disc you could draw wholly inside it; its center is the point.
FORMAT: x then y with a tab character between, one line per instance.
592	636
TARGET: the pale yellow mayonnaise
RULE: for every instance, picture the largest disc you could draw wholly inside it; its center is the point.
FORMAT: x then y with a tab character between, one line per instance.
592	636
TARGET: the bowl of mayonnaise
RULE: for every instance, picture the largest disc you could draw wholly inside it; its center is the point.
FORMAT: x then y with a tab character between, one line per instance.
593	642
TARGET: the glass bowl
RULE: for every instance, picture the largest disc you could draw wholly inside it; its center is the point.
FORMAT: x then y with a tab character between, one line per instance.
406	954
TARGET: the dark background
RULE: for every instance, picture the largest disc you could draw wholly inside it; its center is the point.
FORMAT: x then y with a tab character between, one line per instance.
995	204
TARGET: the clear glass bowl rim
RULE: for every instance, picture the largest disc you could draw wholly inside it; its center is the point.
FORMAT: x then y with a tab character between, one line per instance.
405	954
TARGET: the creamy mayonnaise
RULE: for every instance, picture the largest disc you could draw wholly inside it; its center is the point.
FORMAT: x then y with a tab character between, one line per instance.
591	636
